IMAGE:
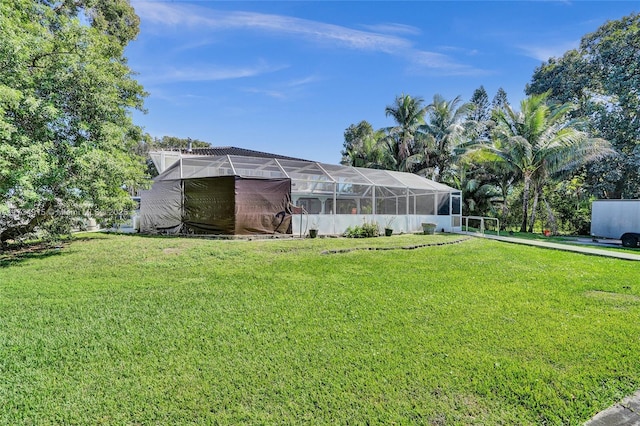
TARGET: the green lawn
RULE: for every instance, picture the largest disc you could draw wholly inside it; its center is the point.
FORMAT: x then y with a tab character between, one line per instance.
136	330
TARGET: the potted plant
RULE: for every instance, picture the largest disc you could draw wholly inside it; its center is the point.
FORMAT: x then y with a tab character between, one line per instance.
313	230
428	228
388	229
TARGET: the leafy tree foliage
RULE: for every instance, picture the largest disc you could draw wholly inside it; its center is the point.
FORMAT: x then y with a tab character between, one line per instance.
480	114
500	100
115	18
421	141
481	108
447	124
539	143
169	142
572	204
67	141
481	195
408	113
364	147
603	78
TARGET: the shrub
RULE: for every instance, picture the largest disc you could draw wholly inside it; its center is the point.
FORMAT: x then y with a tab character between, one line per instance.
366	230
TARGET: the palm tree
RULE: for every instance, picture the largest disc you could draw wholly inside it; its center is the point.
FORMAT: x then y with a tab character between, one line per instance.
539	142
480	193
408	113
445	127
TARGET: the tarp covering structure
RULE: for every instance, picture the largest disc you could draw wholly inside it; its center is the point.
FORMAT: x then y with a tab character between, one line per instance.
227	205
334	197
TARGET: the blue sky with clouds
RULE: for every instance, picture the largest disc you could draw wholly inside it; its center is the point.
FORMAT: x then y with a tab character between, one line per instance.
289	77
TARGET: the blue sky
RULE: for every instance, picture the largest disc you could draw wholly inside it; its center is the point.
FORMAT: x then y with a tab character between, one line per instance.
289	77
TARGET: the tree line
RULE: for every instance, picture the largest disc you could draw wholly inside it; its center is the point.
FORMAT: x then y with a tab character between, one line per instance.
69	147
573	139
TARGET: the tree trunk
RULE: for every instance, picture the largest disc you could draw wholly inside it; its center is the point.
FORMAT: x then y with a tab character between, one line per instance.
534	209
525	202
504	189
553	223
17	230
505	213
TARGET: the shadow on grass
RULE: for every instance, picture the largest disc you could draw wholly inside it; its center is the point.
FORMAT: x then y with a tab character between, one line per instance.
105	234
13	256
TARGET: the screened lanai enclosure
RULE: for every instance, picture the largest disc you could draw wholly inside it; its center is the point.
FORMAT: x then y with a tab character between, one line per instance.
245	194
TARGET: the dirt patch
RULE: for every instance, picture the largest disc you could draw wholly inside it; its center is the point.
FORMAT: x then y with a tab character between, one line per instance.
22	249
15	254
172	250
413	247
611	296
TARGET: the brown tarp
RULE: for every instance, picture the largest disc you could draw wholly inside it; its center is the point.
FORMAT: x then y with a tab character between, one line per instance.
261	206
209	205
161	208
224	205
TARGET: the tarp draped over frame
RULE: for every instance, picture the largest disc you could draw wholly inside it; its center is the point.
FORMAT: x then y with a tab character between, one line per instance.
261	206
228	205
209	205
161	208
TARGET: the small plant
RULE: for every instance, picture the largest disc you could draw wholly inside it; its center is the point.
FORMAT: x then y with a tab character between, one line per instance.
313	229
388	227
366	230
389	223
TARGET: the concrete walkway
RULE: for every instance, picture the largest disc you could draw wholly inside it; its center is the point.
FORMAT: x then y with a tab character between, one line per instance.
558	246
625	413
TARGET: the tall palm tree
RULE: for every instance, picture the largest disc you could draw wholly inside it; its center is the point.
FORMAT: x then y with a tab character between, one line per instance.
408	113
446	125
539	142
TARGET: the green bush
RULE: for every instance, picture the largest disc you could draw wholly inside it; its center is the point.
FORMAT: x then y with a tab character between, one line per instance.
366	230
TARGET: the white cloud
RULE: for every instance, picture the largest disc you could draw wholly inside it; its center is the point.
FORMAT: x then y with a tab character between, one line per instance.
549	50
430	62
286	89
189	17
276	94
463	50
182	99
209	73
302	81
393	28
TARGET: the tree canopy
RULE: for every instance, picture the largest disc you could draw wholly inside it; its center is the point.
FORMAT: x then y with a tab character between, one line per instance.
362	146
602	77
577	134
67	139
539	142
408	113
447	125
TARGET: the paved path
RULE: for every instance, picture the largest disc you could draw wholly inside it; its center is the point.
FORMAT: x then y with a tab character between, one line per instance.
625	413
558	246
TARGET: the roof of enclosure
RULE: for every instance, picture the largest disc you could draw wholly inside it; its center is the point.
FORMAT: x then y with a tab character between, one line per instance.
198	166
229	150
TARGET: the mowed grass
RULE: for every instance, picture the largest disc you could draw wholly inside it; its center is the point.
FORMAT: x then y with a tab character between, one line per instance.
116	329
